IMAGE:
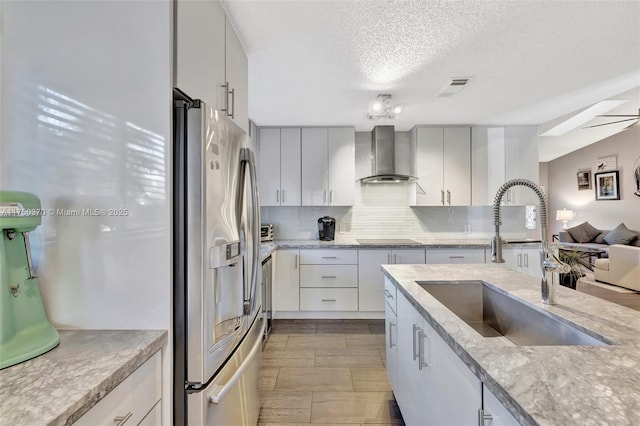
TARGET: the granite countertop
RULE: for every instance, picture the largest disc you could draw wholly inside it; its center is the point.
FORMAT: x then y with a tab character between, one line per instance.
266	249
545	385
61	385
419	243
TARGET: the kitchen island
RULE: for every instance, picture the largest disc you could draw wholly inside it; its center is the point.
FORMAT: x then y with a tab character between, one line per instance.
546	385
60	386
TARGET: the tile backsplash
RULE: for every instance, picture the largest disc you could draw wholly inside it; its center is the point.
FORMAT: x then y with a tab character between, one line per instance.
383	211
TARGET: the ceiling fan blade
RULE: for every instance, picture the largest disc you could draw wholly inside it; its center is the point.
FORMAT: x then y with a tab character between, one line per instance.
632	124
618	115
612	122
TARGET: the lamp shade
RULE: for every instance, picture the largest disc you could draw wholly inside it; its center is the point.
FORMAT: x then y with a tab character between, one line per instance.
564	215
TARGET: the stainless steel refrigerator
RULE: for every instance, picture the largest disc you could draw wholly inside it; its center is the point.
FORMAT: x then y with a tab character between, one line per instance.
216	249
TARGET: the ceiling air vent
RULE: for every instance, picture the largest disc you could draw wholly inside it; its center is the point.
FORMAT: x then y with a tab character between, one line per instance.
452	87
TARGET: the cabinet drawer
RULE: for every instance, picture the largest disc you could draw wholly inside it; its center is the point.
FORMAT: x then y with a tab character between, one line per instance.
455	256
328	257
328	276
390	295
328	299
132	399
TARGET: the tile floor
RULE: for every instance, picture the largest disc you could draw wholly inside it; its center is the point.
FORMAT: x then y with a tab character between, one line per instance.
326	372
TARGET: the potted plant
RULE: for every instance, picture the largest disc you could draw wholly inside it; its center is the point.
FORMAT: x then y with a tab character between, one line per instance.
576	260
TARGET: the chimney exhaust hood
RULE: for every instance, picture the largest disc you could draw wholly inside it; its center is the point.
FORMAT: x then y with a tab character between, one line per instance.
383	158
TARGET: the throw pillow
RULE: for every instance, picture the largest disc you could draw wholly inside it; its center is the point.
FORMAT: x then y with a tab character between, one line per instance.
583	233
600	238
620	235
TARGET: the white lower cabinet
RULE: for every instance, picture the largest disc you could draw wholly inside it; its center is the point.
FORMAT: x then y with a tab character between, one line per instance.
328	280
391	334
431	383
329	299
493	412
136	400
370	277
435	387
525	260
287	280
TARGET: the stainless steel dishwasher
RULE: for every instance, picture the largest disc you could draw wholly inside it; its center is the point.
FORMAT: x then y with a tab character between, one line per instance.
266	297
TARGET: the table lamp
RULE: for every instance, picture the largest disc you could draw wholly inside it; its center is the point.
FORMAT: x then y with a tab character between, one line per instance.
564	216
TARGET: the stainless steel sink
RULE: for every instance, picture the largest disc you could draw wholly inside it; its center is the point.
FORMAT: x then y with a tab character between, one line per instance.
492	313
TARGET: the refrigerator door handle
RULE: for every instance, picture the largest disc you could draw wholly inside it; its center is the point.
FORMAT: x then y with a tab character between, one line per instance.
249	299
219	392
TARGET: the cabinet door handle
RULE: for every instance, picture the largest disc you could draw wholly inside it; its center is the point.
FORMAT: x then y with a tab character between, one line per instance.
330	196
296	262
448	197
283	195
395	259
442	197
526	260
456	257
388	294
122	419
415	352
329	276
226	98
389	258
482	417
328	300
519	262
233	103
277	195
329	257
422	336
391	325
324	197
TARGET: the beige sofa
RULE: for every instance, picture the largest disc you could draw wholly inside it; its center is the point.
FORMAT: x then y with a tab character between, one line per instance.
622	268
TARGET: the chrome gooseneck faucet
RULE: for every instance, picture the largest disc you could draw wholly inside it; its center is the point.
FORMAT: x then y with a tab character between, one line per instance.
546	264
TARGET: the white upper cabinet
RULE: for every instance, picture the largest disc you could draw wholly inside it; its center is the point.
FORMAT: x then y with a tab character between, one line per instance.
487	163
200	55
521	155
429	166
457	166
342	166
500	154
314	166
269	167
237	79
443	166
328	166
211	63
279	167
290	167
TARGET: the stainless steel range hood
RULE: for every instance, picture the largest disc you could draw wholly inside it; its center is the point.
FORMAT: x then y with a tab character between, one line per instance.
383	158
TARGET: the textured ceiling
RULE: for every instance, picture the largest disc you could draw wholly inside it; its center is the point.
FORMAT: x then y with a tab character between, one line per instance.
530	62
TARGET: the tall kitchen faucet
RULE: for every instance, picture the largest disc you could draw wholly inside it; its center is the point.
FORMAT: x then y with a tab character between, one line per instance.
546	263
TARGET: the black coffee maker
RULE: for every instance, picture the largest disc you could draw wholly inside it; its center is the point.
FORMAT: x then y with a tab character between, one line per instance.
326	228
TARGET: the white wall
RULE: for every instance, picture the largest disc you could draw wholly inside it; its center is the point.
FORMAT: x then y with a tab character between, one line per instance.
86	124
563	186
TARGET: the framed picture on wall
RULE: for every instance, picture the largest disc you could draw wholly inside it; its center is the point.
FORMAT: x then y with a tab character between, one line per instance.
607	187
584	180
